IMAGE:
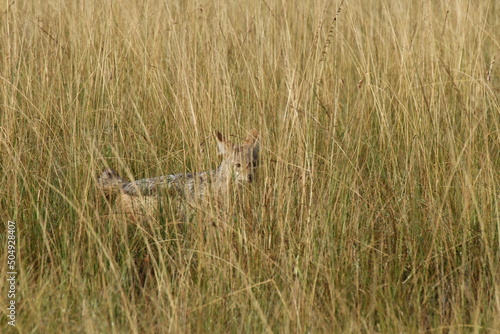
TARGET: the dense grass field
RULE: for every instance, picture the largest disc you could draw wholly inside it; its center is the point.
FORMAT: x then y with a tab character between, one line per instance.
377	204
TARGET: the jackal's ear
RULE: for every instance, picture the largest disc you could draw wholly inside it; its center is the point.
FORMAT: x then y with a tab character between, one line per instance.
223	145
252	137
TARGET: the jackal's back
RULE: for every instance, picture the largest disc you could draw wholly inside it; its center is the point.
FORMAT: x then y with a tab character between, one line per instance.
187	185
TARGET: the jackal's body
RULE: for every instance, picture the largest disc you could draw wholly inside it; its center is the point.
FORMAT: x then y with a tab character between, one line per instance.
239	165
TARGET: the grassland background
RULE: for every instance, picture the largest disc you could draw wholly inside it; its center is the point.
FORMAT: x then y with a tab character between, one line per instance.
377	204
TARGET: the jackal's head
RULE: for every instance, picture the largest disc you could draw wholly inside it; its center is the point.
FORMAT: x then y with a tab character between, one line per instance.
240	162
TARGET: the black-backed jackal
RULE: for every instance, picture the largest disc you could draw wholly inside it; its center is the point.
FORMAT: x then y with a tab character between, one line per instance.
140	197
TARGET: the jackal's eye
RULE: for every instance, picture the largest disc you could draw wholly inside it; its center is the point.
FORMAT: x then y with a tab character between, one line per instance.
237	165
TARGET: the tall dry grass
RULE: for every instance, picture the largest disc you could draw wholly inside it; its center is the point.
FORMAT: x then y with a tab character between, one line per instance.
377	206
